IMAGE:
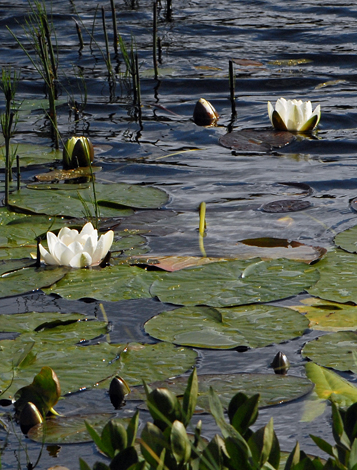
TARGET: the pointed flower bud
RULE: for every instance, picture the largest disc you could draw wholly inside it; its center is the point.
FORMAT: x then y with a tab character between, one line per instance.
204	113
77	152
280	363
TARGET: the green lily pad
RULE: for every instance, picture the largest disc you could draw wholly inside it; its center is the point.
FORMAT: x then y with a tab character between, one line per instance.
80	367
29	279
113	283
274	389
30	154
71	429
114	200
335	350
347	240
328	316
338	277
10	265
330	386
252	326
238	282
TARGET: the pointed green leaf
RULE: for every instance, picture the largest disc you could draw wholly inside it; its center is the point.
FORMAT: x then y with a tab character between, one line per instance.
190	397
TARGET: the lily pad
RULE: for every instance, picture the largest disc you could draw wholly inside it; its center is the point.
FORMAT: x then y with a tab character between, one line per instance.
231	283
256	141
330	386
29	279
347	240
110	284
71	429
80	367
31	154
115	200
66	175
286	205
252	326
335	350
338	277
328	316
274	389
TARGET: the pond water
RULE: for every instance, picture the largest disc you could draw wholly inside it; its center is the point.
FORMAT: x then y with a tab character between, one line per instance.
304	50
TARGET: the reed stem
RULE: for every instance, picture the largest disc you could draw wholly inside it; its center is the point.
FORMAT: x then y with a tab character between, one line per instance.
80	37
231	88
115	28
169	10
154	45
18	181
108	61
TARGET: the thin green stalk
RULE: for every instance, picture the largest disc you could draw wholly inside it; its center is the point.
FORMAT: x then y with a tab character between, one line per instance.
80	37
201	227
115	28
154	43
18	181
108	61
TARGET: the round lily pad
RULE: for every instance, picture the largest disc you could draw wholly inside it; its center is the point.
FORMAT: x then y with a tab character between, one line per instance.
347	240
335	350
338	277
252	140
71	429
80	367
274	389
30	154
112	283
252	326
234	282
286	205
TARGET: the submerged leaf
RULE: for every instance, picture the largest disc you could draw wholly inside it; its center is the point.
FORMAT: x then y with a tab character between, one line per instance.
256	141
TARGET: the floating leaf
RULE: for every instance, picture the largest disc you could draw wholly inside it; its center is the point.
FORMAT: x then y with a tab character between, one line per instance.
251	326
31	154
30	279
114	200
328	316
335	350
71	429
289	62
230	283
80	367
347	240
274	389
286	205
65	175
330	386
110	284
329	83
338	277
256	141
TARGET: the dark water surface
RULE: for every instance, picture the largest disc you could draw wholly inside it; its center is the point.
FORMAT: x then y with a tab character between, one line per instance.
171	152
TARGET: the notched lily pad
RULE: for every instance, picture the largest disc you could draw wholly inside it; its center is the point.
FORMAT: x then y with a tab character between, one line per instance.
274	389
251	326
256	141
286	205
347	240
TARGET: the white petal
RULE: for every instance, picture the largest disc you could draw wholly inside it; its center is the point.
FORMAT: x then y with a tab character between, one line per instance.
67	234
66	253
282	108
87	229
270	111
47	257
81	260
104	244
317	111
90	245
52	241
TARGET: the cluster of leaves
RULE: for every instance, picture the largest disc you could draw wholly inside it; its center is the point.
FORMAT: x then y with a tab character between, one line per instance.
164	444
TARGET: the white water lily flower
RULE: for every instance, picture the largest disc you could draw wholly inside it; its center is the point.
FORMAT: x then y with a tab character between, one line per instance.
76	250
293	115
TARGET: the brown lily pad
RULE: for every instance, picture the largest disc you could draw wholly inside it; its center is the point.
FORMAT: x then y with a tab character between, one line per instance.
286	205
64	175
252	140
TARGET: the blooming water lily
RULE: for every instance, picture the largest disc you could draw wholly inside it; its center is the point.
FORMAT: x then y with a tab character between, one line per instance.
293	115
77	250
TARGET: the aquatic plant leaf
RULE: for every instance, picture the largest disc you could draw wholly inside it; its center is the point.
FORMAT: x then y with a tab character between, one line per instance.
31	154
330	386
44	392
328	316
71	429
95	365
29	279
253	326
65	175
10	265
286	205
114	200
112	283
231	283
335	350
274	389
256	141
338	277
347	240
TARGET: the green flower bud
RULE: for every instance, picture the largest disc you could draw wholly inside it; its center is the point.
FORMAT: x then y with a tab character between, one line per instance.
29	417
77	152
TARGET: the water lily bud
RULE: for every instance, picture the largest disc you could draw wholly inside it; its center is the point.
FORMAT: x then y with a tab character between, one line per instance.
115	433
78	152
204	113
293	115
29	417
180	443
280	363
163	406
117	390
